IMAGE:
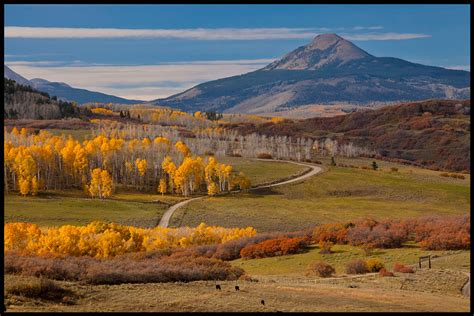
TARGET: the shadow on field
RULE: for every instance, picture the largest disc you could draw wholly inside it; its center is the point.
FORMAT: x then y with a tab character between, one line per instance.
263	191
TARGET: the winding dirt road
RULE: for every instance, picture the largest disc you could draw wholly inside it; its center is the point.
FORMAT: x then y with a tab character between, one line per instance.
164	222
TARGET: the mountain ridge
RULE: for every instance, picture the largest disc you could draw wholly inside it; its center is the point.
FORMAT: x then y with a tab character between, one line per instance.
64	91
328	70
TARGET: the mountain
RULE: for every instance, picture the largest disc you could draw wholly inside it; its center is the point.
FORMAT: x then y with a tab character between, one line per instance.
64	91
10	74
329	70
434	133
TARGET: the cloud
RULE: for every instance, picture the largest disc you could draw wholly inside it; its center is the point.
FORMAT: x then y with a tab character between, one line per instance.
196	33
359	28
142	82
384	36
459	67
201	33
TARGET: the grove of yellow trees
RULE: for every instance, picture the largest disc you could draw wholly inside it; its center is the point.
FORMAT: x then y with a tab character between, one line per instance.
46	162
105	240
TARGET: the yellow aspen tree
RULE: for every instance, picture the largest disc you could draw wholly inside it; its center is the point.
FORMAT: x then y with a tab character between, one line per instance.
34	186
210	170
80	160
212	189
182	148
162	186
24	186
170	169
107	184
141	166
95	184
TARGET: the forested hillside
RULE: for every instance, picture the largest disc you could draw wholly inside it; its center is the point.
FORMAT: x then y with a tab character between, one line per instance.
433	133
24	102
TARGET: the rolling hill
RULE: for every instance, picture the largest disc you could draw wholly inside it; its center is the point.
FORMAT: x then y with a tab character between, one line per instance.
434	133
329	70
64	91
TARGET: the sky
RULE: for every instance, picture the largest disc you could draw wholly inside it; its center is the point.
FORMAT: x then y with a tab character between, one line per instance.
145	52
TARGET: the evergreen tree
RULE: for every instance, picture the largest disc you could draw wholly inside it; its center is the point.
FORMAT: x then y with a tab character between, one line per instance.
374	165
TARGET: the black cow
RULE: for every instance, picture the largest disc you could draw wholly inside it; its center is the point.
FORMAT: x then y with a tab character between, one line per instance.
218	287
237	288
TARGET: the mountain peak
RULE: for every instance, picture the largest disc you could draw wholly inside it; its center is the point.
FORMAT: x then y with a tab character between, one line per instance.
323	50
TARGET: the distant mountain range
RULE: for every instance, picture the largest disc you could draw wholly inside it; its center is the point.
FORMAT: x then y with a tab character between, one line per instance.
329	70
64	91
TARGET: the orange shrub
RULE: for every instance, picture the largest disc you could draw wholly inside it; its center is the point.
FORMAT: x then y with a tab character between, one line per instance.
335	233
398	267
385	273
274	247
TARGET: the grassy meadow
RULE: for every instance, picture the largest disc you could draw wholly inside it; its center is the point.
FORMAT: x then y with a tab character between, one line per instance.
52	208
337	194
296	265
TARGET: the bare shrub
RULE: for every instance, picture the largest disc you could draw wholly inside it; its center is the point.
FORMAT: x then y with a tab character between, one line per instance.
264	156
39	289
325	247
123	269
321	269
356	266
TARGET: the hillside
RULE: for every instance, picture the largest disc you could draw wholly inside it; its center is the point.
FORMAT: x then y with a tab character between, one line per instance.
64	91
329	70
433	133
24	102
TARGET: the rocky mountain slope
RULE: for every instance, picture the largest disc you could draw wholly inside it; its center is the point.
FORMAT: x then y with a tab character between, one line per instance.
329	70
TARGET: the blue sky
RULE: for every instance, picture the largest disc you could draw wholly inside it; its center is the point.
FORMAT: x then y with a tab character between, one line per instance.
151	51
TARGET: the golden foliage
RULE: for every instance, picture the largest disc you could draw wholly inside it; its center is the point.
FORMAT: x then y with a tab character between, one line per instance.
104	240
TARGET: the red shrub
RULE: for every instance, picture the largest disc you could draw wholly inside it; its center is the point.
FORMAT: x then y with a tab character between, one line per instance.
398	267
385	273
388	234
442	233
274	247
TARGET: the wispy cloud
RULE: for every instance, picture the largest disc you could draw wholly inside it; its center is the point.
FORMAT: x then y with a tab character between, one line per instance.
197	33
384	36
359	28
143	82
203	33
459	67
